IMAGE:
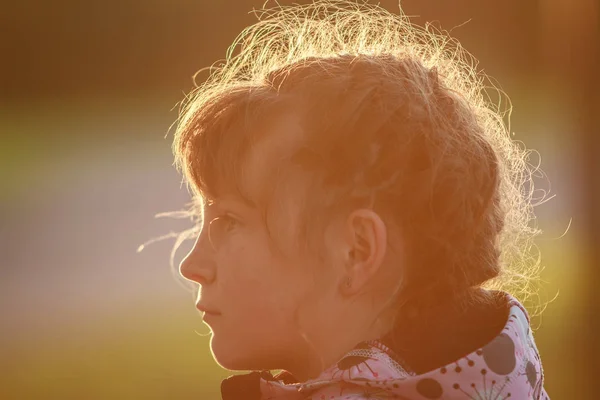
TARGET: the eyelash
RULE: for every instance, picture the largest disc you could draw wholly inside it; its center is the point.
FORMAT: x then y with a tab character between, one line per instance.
216	232
227	217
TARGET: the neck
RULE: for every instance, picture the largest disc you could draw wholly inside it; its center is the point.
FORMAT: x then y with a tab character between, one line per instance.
314	359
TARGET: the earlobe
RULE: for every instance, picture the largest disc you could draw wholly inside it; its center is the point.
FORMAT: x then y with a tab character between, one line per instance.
348	282
347	286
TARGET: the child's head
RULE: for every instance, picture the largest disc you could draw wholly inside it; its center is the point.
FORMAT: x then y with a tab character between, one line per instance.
347	169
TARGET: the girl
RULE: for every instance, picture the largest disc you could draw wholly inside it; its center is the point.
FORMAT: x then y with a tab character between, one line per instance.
361	210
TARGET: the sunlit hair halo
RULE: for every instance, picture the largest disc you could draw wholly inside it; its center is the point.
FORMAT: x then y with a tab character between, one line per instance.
409	120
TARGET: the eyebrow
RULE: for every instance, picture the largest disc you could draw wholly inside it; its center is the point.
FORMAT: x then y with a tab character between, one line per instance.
224	203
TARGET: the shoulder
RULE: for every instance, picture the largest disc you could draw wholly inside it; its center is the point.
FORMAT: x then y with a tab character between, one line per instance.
363	397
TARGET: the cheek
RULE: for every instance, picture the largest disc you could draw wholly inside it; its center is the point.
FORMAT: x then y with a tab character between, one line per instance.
257	286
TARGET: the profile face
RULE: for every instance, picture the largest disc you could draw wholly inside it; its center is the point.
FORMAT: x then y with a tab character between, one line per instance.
256	291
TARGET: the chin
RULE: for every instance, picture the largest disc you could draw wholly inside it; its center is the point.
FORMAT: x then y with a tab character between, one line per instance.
228	355
239	357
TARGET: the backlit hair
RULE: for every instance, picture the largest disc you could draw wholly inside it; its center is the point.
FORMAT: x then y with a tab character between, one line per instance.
392	113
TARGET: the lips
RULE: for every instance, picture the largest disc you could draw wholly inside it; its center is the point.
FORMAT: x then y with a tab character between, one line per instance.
207	309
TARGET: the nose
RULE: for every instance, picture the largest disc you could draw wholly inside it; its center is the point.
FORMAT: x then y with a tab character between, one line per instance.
198	265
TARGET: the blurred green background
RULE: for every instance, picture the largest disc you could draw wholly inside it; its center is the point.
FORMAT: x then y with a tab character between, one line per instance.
88	92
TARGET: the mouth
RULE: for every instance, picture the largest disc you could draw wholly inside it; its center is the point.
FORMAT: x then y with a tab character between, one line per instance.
206	310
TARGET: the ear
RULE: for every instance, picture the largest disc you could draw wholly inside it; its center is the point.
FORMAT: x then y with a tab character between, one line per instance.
366	244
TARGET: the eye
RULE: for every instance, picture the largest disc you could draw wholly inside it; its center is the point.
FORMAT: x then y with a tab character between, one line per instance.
228	222
220	227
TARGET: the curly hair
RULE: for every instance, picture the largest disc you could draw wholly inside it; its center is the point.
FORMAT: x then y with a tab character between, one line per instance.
394	115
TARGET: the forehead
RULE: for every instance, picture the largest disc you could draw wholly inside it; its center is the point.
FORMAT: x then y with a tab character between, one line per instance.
274	142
